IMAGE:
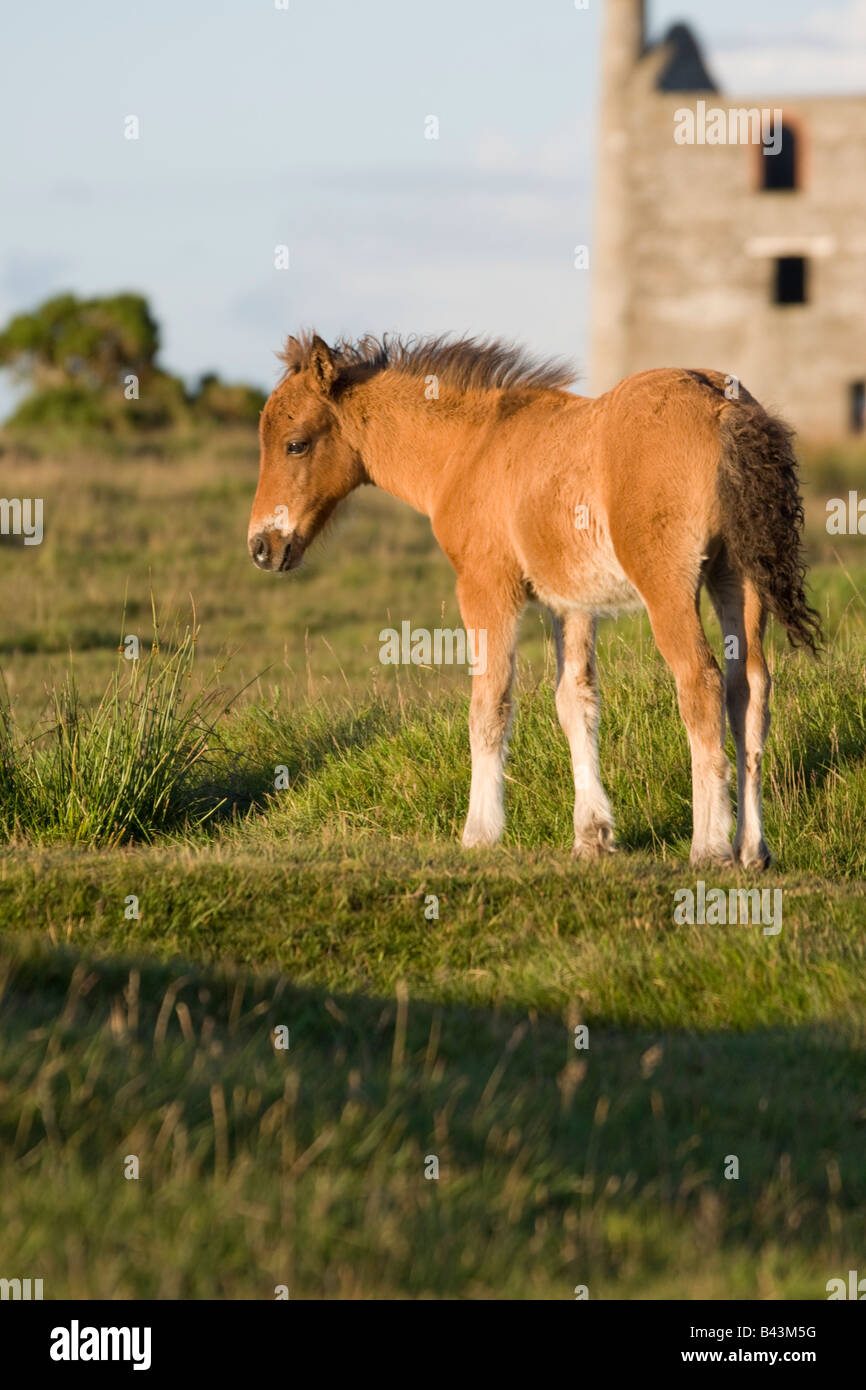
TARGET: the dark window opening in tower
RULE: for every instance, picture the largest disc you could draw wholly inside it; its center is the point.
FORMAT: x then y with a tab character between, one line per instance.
789	286
857	403
780	170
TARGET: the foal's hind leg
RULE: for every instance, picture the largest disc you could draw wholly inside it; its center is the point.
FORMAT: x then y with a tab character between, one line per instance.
577	704
700	690
747	694
493	611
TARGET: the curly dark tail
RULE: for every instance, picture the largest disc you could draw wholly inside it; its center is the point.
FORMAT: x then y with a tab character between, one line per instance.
763	515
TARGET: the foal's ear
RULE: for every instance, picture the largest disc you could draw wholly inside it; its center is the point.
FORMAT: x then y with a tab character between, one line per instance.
291	355
322	365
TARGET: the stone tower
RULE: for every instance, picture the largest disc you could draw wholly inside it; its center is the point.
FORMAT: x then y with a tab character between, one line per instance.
621	49
707	252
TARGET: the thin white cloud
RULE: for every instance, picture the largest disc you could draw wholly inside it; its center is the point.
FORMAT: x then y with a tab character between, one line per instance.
826	54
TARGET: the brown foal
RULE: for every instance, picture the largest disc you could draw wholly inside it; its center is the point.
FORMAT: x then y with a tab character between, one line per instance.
672	480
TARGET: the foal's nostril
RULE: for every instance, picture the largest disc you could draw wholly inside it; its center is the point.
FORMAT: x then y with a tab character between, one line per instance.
260	551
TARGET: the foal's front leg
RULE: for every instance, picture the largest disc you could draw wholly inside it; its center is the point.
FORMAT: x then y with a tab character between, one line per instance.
490	613
577	704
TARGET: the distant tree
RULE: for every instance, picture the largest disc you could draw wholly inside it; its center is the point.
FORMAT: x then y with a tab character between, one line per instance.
92	343
90	364
60	406
226	404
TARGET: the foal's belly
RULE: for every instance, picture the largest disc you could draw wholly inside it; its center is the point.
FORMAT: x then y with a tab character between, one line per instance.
583	574
605	595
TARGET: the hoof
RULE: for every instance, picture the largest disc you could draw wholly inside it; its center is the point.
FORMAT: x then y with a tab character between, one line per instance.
594	842
720	858
477	837
758	857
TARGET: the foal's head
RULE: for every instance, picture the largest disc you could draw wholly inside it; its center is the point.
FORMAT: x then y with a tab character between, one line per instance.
306	465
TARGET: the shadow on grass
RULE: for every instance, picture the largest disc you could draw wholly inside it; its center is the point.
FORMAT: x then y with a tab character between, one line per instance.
243	783
544	1131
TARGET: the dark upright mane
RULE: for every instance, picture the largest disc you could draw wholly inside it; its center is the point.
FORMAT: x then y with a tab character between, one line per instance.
469	364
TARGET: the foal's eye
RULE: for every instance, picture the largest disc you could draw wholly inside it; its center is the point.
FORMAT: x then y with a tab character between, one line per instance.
297	446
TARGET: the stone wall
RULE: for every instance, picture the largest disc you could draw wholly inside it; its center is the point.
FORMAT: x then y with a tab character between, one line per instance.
696	245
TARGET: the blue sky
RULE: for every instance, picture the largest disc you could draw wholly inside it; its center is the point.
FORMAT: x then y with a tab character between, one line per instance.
305	127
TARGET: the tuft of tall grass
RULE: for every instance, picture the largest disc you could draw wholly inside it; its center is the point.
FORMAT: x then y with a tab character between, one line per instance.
125	770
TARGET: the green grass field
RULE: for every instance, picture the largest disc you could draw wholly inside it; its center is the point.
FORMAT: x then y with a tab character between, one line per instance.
413	1036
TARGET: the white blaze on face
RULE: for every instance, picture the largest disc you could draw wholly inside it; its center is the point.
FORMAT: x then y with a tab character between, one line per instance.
278	521
281	521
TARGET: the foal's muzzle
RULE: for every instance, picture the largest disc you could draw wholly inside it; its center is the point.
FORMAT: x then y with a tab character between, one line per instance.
270	551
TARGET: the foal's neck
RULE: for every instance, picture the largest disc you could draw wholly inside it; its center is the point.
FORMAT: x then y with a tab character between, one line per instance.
407	436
